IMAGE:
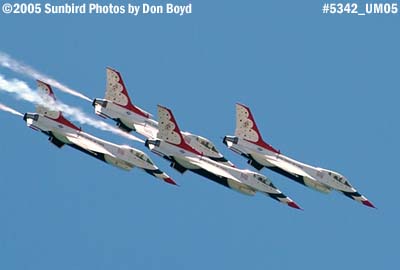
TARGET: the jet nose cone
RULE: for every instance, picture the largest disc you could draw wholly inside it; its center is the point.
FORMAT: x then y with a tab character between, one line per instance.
294	205
170	181
368	203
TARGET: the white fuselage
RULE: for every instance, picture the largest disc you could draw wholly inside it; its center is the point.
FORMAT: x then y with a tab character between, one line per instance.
249	182
320	179
120	156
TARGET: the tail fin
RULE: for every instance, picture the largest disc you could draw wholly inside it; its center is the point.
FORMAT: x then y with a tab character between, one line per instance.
49	112
117	93
246	128
47	93
169	131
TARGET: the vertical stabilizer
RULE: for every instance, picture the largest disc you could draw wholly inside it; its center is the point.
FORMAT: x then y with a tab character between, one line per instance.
51	111
117	93
169	131
246	128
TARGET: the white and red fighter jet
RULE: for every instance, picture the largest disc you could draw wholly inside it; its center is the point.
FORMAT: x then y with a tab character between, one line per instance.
62	132
249	143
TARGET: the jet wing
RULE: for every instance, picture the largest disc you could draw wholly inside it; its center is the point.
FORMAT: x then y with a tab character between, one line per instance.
88	144
288	167
213	169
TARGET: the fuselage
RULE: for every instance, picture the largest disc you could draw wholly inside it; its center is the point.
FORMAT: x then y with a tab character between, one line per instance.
318	178
249	182
121	156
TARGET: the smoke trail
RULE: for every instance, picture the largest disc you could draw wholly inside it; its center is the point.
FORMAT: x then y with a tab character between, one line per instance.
23	91
10	110
7	62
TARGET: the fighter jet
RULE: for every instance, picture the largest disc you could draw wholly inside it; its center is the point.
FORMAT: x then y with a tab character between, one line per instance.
171	145
62	132
249	143
117	105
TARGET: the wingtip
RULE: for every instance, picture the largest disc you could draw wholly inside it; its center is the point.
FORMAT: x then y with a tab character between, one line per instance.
294	205
368	203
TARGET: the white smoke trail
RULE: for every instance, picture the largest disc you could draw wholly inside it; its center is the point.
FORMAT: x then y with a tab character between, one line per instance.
10	63
10	110
23	91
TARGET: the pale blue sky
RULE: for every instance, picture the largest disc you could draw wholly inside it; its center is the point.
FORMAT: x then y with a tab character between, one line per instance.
323	89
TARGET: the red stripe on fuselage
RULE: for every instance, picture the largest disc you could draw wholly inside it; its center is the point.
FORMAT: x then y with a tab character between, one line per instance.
62	120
